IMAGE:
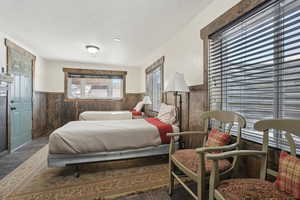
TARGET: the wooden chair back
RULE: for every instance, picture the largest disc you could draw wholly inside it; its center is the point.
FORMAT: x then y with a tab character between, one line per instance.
226	121
225	118
289	126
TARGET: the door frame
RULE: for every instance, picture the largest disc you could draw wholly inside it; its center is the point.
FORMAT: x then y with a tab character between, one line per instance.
10	44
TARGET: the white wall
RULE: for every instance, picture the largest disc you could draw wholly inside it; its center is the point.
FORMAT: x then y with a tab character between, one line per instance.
54	77
184	51
39	65
40	74
2	52
49	76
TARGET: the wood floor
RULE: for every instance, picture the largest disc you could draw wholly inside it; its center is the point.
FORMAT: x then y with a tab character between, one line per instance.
11	161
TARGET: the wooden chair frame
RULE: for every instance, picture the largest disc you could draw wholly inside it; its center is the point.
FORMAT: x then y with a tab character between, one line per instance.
287	125
224	117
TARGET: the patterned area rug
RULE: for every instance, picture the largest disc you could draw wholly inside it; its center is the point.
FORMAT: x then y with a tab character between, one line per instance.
108	180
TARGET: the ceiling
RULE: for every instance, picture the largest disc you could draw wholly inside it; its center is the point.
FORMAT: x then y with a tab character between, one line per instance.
60	29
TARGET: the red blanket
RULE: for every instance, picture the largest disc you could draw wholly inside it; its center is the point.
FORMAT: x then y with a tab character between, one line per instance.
135	113
163	129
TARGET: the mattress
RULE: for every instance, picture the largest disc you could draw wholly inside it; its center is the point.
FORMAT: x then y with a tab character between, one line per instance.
105	115
80	137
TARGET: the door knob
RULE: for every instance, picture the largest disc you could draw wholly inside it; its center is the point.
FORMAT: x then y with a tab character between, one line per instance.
13	108
12	101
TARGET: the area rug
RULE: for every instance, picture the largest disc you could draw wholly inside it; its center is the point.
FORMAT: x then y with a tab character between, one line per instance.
99	181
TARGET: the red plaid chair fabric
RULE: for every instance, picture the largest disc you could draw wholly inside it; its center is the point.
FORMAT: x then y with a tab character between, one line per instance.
217	138
288	179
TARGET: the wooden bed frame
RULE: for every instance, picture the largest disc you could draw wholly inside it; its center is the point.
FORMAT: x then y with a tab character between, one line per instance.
63	160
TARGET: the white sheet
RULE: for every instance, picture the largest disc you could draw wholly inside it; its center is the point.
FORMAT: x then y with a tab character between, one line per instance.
105	115
79	137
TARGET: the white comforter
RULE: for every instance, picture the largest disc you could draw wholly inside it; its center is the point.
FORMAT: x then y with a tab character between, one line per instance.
79	137
105	115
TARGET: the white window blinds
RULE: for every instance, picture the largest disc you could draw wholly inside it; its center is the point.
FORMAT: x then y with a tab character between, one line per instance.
154	88
254	67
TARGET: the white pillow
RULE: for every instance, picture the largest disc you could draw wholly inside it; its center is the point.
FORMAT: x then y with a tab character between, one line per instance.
167	113
139	106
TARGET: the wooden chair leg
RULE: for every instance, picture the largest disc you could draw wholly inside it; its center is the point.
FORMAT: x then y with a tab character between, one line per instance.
171	177
200	190
214	179
200	177
211	195
211	191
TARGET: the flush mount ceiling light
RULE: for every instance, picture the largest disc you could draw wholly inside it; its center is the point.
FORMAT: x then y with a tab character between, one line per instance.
92	49
117	39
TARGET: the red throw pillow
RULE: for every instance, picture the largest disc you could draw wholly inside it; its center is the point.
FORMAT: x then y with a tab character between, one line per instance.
217	138
135	113
288	178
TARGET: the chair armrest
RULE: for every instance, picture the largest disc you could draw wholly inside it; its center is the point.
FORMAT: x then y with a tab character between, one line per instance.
186	133
219	148
215	175
230	154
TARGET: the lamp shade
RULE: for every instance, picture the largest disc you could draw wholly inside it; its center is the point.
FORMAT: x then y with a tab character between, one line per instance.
177	84
147	100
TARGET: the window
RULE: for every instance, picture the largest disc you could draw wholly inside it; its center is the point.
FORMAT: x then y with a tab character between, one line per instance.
94	84
154	84
254	67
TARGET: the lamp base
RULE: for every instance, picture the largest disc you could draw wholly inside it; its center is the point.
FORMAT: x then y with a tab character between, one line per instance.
181	143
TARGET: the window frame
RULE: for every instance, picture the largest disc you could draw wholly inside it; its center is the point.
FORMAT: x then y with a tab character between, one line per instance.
278	105
68	71
158	64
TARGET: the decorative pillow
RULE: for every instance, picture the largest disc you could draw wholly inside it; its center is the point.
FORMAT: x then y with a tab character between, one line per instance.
167	114
217	138
288	178
139	106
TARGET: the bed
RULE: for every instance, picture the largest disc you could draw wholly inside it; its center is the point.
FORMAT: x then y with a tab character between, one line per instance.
113	115
110	115
80	142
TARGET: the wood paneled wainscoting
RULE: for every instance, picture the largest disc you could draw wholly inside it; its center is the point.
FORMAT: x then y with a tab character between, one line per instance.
51	111
39	123
193	105
252	164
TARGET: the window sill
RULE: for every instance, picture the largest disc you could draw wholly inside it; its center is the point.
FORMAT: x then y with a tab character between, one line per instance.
271	145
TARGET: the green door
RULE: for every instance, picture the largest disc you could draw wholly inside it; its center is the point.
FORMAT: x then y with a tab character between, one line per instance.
20	103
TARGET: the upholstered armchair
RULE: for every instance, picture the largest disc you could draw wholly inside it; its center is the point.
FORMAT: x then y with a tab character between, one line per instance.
192	162
287	185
